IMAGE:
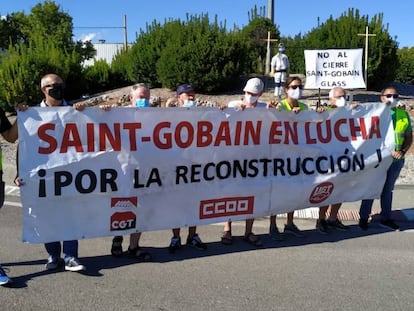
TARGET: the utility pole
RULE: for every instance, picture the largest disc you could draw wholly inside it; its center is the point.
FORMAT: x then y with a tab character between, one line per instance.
366	35
270	15
125	34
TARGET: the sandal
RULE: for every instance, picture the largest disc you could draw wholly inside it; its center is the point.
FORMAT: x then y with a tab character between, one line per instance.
139	253
116	249
253	239
226	238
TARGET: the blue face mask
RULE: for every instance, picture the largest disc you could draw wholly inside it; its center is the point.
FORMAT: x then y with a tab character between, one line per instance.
189	103
142	102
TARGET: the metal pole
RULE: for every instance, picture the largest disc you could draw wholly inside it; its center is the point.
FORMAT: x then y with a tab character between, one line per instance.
125	34
366	56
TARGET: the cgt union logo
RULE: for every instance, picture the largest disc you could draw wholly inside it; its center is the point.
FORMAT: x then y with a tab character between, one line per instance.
321	192
125	202
126	219
226	207
123	221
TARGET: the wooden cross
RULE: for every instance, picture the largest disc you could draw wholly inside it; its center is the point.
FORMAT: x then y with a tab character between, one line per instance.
366	35
268	40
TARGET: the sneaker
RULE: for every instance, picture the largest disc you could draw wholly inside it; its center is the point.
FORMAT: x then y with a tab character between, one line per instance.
174	244
322	226
4	279
337	224
292	229
196	242
389	224
74	265
52	263
363	224
274	233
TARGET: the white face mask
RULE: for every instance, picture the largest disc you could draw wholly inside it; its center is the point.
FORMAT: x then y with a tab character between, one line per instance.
189	103
251	99
340	102
392	102
295	93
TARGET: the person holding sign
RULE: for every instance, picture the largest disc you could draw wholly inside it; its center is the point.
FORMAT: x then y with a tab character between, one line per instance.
337	98
52	87
293	91
186	99
252	91
280	66
139	96
403	134
9	133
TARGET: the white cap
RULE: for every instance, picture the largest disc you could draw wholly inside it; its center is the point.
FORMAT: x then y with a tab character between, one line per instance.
254	86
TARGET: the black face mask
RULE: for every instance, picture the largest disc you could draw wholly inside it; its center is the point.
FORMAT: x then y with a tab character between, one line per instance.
56	92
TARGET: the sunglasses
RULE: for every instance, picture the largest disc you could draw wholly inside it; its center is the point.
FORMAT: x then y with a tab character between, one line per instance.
391	95
296	86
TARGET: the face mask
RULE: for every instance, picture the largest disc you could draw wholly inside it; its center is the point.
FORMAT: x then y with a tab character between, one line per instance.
142	102
189	103
295	93
251	99
392	102
340	102
56	92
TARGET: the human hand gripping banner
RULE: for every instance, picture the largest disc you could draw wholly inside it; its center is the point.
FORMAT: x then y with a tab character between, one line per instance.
96	173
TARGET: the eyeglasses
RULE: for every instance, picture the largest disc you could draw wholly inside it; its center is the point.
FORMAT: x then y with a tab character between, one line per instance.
55	85
296	86
391	95
344	96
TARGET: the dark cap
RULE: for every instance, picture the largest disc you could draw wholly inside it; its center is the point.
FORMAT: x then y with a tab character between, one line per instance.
185	88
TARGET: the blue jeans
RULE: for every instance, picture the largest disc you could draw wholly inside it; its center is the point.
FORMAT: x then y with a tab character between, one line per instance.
70	249
386	195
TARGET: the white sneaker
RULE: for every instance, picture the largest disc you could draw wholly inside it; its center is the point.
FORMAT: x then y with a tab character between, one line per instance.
74	265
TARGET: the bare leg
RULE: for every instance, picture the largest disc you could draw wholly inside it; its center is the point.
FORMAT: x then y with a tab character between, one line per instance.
334	211
134	240
176	232
192	231
249	226
290	218
322	211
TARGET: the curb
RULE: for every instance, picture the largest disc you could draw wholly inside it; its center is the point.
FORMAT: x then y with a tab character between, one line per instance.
308	213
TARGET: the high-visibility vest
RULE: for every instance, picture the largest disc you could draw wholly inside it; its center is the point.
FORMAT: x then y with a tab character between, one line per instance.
401	122
284	105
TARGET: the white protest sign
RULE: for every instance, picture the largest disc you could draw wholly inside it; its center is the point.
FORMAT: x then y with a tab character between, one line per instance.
95	173
326	69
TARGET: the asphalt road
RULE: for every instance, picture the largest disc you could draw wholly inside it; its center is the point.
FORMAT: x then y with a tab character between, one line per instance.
353	270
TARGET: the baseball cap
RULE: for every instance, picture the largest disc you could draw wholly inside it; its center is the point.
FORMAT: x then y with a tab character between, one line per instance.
254	86
185	88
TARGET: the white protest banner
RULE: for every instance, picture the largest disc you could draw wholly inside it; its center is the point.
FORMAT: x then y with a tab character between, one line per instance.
326	69
95	173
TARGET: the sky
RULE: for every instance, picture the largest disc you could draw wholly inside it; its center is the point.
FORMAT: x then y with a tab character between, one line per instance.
104	19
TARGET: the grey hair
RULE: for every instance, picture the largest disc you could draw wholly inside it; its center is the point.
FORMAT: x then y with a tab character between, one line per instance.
137	86
331	92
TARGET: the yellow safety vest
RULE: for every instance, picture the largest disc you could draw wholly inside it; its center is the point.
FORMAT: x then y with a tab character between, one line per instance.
284	105
401	123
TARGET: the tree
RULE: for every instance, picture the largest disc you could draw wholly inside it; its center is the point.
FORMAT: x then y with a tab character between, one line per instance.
405	72
40	43
255	34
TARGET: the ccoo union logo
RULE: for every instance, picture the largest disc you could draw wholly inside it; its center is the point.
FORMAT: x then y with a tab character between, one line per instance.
321	192
226	207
